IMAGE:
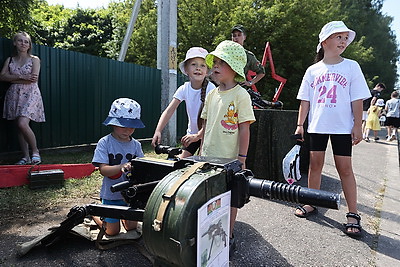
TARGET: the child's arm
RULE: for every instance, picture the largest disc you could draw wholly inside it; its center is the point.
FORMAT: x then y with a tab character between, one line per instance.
301	118
356	132
244	140
115	171
201	132
187	139
164	119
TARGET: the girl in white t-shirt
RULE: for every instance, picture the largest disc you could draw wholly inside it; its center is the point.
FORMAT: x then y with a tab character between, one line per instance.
193	93
331	94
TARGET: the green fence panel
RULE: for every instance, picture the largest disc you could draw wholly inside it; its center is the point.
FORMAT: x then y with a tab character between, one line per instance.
77	91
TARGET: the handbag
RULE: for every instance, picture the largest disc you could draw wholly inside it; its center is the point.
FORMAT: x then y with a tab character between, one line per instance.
291	164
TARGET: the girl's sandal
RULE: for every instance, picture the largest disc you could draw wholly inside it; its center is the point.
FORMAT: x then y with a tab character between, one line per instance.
356	225
304	213
36	159
23	161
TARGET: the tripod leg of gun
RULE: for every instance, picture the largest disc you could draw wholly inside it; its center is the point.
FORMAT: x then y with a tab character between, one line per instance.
78	213
75	217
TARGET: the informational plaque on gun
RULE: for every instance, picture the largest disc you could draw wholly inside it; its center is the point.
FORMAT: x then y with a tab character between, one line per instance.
213	231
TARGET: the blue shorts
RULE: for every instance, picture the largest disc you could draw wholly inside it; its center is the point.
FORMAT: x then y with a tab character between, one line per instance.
119	202
341	143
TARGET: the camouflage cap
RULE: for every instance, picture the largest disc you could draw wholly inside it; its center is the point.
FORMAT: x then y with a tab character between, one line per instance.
238	28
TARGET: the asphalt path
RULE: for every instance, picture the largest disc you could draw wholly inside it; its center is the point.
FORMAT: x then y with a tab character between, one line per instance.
267	232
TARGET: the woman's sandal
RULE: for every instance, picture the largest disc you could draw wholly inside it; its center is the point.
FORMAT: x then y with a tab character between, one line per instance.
305	213
23	161
36	159
356	225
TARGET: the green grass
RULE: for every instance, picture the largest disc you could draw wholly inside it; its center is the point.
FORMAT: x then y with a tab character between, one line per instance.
15	201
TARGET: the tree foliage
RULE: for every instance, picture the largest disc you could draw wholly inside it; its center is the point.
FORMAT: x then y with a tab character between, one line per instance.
290	26
81	30
15	16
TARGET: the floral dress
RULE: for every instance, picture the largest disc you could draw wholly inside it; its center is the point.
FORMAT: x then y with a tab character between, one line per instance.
23	99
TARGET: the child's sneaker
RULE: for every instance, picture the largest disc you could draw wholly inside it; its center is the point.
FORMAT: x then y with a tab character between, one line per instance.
376	139
366	139
393	137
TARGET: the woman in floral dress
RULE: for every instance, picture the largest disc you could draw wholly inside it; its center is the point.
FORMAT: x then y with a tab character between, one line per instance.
23	101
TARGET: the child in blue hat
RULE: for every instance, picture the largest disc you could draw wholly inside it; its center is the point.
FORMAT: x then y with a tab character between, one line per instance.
113	154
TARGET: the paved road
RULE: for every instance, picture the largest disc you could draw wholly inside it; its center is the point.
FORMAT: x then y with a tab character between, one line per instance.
278	238
267	232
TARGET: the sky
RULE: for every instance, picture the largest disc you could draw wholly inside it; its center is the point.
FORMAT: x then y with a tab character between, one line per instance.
390	8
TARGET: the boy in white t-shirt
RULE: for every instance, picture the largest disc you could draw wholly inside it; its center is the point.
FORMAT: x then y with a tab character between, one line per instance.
392	109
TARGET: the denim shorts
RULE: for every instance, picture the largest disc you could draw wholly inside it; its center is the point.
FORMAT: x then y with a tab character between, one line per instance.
118	202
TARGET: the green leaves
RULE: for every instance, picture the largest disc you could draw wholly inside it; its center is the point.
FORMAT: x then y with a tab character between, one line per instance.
291	27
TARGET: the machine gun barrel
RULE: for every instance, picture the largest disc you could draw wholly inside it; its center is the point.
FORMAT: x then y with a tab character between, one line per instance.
267	189
121	186
140	188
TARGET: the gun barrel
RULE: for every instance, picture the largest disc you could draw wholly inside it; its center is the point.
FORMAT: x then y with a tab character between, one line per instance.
267	189
120	186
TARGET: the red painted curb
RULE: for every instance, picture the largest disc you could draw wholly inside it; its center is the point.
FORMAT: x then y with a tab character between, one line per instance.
12	175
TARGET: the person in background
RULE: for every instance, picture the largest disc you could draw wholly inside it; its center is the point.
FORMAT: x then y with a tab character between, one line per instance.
334	109
193	93
372	123
382	118
113	154
375	94
228	111
239	36
23	102
392	109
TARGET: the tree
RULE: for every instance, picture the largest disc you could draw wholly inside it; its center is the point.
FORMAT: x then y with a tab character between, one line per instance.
366	18
15	17
81	30
291	27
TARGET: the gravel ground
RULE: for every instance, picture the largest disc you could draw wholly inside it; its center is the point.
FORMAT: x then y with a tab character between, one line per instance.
267	232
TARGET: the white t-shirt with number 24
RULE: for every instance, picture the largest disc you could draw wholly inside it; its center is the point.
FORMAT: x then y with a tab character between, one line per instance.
330	89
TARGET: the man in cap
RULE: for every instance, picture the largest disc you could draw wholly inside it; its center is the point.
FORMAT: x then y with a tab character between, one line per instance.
239	36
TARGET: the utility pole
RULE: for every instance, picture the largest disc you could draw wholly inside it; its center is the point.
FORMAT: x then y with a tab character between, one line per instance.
129	30
167	61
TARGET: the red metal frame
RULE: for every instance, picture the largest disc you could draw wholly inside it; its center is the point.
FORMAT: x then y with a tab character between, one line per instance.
268	56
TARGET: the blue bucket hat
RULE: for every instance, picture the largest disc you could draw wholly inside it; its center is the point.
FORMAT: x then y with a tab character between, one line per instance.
124	112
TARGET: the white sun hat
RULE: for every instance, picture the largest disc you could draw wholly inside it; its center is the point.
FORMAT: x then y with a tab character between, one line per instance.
334	27
380	102
193	53
124	112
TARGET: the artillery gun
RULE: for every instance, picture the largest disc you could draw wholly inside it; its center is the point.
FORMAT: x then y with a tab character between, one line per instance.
166	194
